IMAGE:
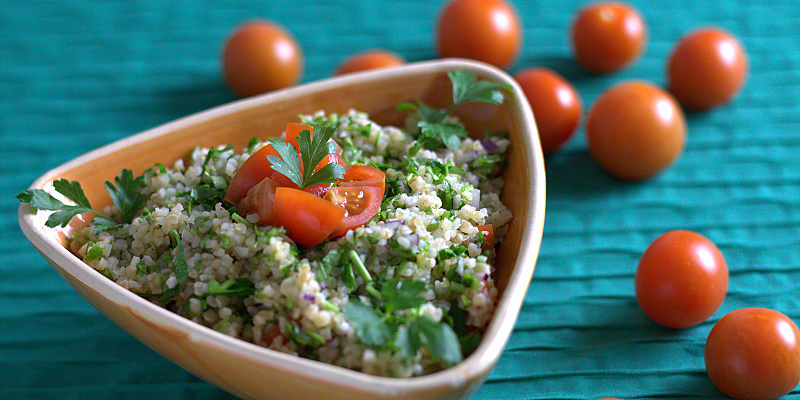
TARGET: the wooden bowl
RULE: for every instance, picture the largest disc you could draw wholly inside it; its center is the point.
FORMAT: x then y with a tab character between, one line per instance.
252	372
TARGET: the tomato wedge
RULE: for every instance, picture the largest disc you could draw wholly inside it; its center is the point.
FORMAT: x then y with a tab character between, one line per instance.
308	218
488	235
253	171
260	199
362	175
360	203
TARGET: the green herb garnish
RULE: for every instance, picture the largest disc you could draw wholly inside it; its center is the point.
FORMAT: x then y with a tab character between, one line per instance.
466	88
312	149
126	195
382	327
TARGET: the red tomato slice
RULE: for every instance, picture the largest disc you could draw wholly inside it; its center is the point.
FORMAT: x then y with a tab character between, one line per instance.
362	175
308	218
260	199
488	235
253	171
360	202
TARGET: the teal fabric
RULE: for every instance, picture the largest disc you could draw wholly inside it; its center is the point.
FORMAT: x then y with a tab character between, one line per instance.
78	74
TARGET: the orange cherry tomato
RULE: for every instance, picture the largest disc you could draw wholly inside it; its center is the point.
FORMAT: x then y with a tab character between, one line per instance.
635	130
706	69
483	30
360	202
608	36
260	199
555	103
362	175
252	171
261	57
308	218
370	59
754	353
681	279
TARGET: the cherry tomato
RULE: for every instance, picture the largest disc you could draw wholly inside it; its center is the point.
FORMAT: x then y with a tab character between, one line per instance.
754	353
260	199
252	171
261	57
483	30
308	218
371	59
635	130
608	36
488	235
360	202
681	279
362	175
706	69
555	103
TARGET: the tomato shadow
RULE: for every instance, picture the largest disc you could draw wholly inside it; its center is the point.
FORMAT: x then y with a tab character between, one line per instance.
573	174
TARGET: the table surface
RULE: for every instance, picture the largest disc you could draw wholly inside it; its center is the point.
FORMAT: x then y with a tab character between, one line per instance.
76	75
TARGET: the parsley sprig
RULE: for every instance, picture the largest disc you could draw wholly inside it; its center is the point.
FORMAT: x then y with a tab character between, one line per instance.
406	332
125	192
313	149
434	133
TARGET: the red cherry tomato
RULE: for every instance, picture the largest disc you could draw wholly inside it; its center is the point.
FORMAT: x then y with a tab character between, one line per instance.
360	202
371	59
260	199
706	69
252	171
681	279
635	130
608	36
555	103
754	353
488	235
260	57
308	218
483	30
362	175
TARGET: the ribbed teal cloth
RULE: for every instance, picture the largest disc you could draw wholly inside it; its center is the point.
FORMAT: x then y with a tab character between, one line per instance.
78	74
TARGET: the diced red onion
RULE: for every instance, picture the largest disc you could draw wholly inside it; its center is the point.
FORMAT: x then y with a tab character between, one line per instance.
489	145
413	239
309	297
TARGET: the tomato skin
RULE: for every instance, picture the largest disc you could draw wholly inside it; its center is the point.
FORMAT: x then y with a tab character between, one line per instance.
681	279
754	353
488	235
361	175
260	199
260	57
252	171
360	202
308	218
706	69
370	59
608	36
556	105
483	30
635	130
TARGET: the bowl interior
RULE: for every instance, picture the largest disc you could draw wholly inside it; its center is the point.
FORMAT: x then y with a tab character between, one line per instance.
378	93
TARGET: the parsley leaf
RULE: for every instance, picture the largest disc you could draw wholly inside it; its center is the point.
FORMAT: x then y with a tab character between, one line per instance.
466	88
235	287
125	195
312	149
371	329
401	295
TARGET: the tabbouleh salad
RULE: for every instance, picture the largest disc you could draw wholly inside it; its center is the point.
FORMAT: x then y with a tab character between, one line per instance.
405	293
